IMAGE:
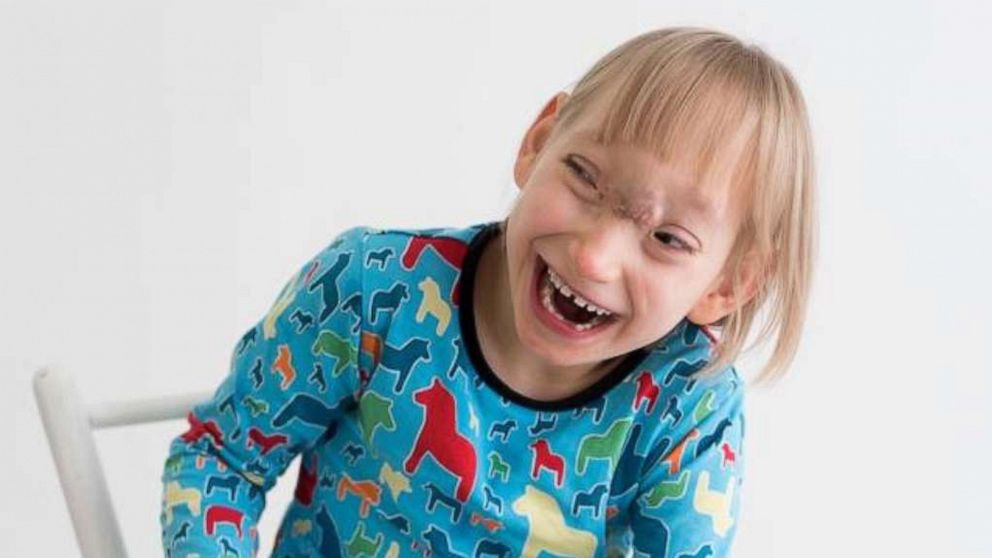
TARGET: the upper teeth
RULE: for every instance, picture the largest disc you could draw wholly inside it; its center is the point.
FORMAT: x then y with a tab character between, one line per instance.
579	301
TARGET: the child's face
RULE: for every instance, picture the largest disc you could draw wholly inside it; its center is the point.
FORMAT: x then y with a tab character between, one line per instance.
620	228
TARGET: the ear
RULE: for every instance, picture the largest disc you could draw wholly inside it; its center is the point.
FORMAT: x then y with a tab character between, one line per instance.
719	300
535	138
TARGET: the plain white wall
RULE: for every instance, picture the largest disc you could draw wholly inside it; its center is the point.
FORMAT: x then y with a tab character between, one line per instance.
166	166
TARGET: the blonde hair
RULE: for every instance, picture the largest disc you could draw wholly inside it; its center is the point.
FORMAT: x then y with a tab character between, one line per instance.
689	91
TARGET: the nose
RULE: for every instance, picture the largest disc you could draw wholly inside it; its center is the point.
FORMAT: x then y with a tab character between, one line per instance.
597	253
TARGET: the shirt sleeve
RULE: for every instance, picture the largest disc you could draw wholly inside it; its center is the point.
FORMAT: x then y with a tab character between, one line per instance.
688	503
290	377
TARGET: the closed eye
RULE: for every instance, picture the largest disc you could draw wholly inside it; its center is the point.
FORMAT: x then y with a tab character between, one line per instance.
669	239
579	171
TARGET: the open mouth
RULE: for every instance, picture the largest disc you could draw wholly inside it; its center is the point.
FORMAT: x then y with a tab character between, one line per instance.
567	307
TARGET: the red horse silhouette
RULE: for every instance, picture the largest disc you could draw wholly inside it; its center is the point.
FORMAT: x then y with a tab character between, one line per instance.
647	390
544	458
439	437
217	514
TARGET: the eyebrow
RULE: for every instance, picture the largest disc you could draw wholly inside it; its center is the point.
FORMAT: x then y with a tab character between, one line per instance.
590	136
701	206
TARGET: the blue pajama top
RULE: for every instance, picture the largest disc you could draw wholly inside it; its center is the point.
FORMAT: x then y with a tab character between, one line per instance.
368	367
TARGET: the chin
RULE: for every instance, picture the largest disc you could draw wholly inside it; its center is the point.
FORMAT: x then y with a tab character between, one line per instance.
554	354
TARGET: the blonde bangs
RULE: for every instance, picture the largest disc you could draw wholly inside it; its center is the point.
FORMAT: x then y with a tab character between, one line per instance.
693	108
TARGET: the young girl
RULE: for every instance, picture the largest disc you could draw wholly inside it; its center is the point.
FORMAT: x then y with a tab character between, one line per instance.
559	382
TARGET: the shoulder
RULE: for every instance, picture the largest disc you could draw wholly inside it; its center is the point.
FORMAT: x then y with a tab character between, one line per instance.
438	238
402	250
382	248
349	242
678	358
689	405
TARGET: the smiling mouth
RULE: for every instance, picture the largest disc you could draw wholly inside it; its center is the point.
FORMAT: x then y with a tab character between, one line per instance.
566	305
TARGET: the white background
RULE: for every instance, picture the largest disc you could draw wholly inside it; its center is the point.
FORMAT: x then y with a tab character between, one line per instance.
166	166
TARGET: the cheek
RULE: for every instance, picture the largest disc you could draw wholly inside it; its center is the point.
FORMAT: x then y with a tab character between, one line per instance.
656	299
659	299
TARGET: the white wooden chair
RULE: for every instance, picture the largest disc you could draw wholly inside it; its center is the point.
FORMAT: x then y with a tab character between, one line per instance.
69	425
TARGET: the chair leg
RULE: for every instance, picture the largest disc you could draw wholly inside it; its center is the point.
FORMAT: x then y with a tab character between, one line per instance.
70	438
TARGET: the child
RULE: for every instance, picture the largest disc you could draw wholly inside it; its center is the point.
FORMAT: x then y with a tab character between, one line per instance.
550	385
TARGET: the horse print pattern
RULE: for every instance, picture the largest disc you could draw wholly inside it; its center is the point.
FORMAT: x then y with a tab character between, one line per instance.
366	370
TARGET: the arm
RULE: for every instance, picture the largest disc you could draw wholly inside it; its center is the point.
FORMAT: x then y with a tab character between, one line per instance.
290	377
689	500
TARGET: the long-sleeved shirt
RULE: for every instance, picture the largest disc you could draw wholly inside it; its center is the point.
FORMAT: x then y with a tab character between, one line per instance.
368	366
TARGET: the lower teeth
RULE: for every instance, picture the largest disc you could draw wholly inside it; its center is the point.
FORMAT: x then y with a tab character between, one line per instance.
546	292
